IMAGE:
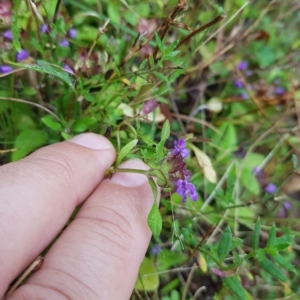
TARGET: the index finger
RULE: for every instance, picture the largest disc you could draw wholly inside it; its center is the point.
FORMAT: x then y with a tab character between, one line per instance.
40	192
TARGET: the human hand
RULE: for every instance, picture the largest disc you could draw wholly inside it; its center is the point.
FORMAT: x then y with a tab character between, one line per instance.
98	255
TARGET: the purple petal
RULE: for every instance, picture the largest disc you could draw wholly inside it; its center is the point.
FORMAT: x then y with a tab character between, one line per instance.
44	28
238	83
22	55
270	188
5	69
68	69
64	43
243	65
279	90
72	33
8	35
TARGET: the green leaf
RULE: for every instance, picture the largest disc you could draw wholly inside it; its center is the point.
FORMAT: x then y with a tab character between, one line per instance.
113	12
143	64
161	76
149	282
256	235
166	131
83	124
15	32
54	125
235	286
155	220
44	67
272	237
28	141
151	61
224	244
126	150
283	242
284	263
159	42
159	150
271	268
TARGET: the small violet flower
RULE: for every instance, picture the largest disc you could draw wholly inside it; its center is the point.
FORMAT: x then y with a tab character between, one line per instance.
72	33
270	188
179	148
44	28
238	83
68	69
156	249
5	69
8	35
243	65
279	90
185	188
64	43
22	55
172	172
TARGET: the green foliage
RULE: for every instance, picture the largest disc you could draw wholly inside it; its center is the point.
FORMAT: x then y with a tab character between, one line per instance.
155	220
225	244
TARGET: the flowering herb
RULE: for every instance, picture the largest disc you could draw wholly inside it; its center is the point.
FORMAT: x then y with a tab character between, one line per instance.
179	147
72	33
22	55
8	35
175	173
5	69
64	43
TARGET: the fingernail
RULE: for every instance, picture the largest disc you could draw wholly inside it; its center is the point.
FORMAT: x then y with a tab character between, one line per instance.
92	141
131	179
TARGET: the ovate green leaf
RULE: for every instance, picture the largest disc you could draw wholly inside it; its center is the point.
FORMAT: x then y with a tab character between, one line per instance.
224	244
54	125
148	279
155	220
126	150
28	141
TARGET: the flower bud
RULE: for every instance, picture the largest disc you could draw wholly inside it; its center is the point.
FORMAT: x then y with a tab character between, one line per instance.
149	106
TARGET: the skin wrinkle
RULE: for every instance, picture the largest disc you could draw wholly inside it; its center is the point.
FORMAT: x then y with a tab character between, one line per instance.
64	282
33	287
110	216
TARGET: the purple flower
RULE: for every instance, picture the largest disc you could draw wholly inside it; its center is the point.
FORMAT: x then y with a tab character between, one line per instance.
156	249
243	65
238	83
279	90
270	188
244	96
179	148
22	55
72	33
8	35
185	188
5	69
44	28
287	205
149	106
64	43
68	69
